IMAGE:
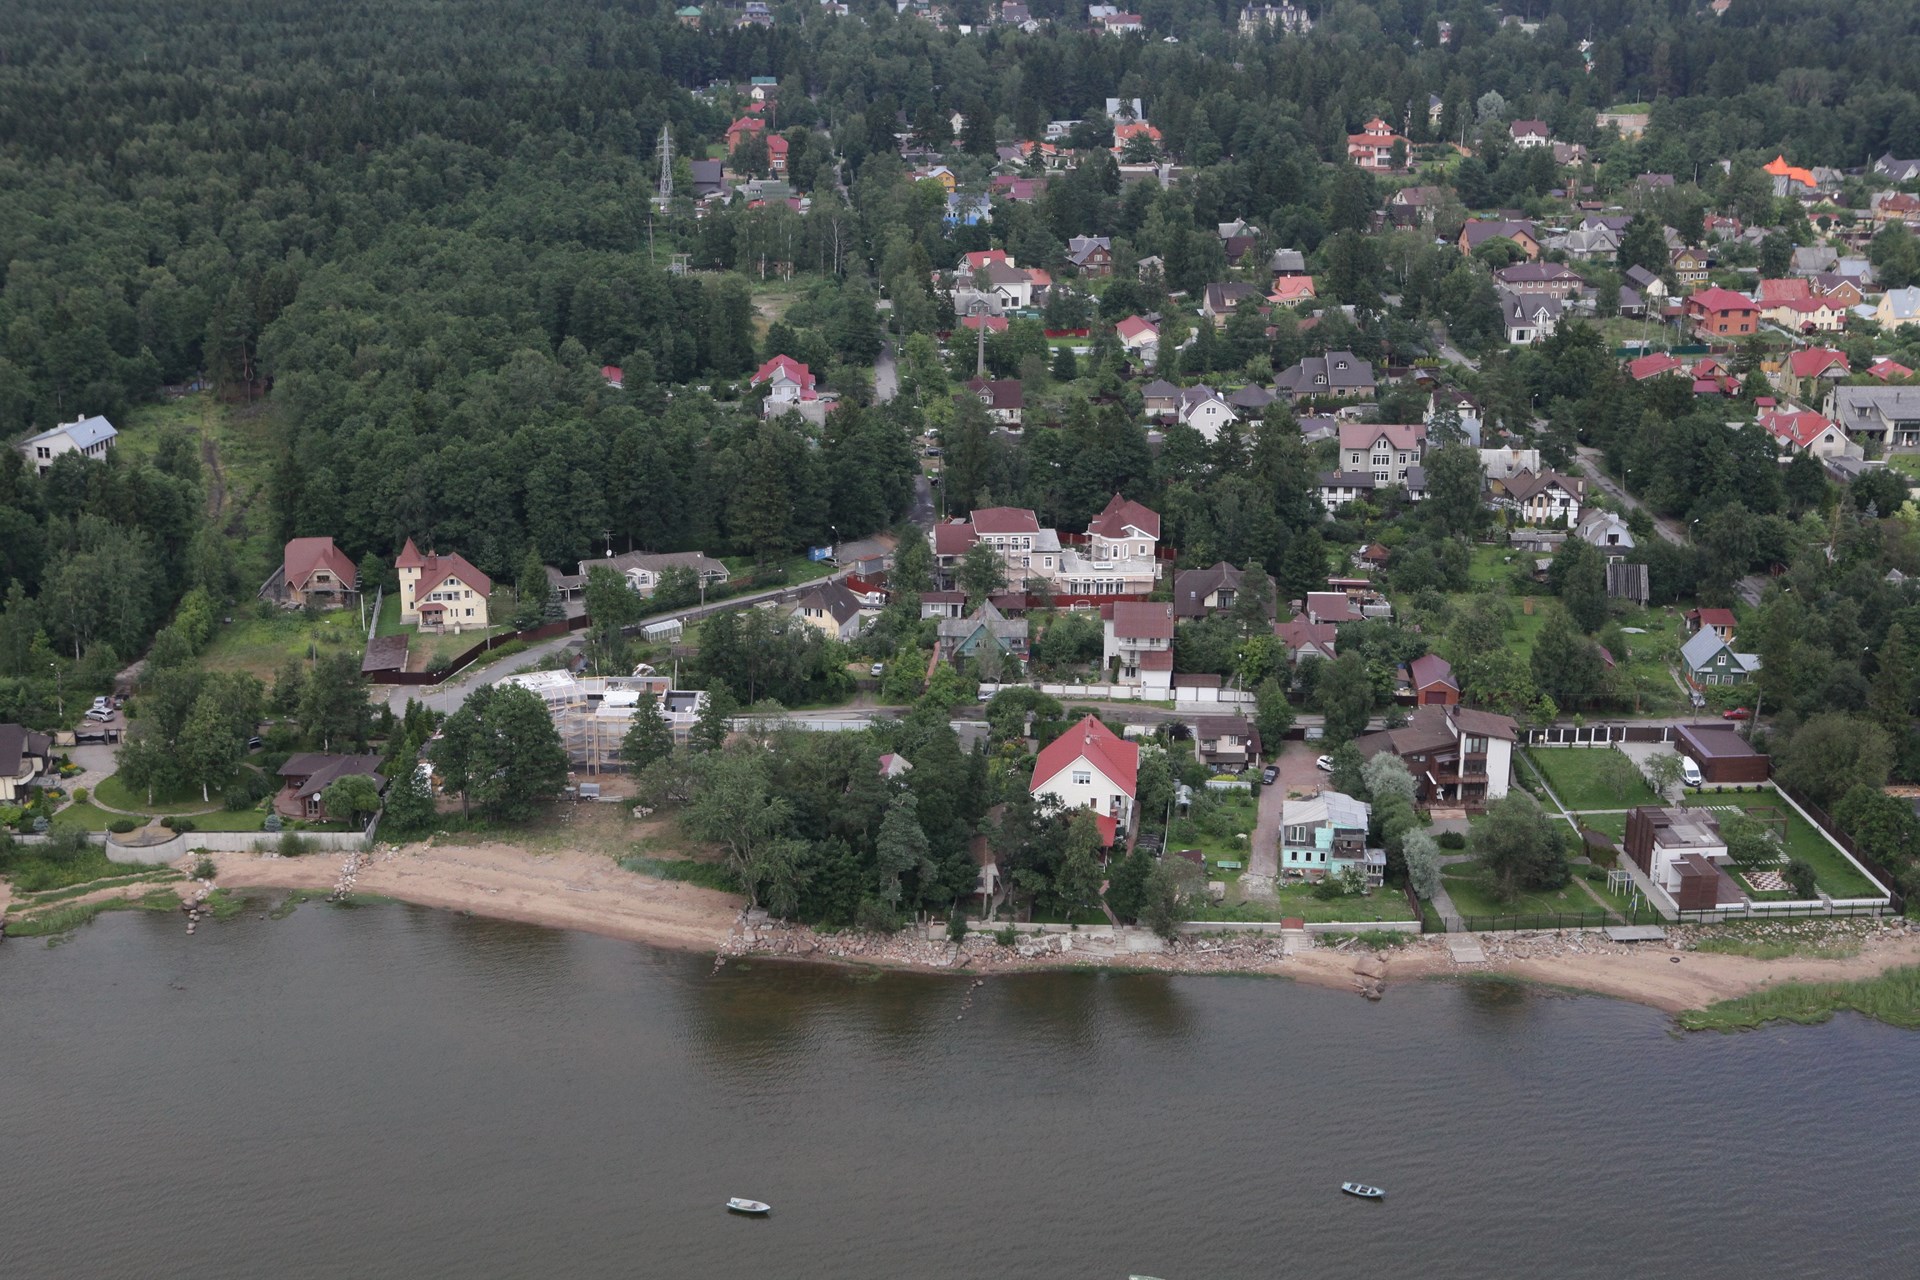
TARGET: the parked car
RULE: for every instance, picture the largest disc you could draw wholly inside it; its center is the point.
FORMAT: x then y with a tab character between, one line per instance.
1268	774
877	670
1324	764
102	704
254	744
1738	713
100	715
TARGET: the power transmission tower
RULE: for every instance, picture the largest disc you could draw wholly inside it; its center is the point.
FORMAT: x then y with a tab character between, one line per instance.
665	149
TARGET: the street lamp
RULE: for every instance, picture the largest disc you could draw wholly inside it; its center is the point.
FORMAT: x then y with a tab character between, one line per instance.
59	688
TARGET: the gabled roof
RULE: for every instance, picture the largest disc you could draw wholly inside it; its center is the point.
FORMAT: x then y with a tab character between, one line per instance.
1112	755
1120	514
1431	669
1522	485
1297	633
1535	272
1815	361
1718	299
787	367
1713	618
1292	289
1225	297
436	569
304	555
1799	427
1700	648
1478	233
1328	809
83	432
1653	366
839	603
1777	291
1410	436
1160	389
1136	327
1003	393
320	769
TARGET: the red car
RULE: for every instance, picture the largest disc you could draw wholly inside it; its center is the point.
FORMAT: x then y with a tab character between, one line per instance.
1738	713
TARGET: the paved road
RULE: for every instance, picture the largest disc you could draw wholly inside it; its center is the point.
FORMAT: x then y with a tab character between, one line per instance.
886	375
1671	530
1450	352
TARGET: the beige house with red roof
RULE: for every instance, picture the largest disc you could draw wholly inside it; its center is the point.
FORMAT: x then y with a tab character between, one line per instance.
314	571
441	592
1119	559
1090	767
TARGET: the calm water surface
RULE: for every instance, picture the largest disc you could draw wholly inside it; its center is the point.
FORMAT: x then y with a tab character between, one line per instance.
394	1092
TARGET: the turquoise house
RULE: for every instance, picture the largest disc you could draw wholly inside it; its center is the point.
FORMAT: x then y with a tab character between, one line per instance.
1324	836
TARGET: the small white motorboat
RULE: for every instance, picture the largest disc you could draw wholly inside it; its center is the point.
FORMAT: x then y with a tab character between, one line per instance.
1362	1190
757	1208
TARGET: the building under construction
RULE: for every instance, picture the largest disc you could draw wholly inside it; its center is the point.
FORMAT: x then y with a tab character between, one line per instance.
593	713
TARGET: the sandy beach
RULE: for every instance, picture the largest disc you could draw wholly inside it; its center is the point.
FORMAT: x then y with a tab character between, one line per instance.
574	889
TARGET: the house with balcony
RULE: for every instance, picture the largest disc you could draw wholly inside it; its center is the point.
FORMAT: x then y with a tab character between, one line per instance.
1545	498
1460	758
1090	767
306	776
1124	530
1137	644
441	592
986	628
25	758
1225	742
1722	313
1325	835
314	572
1882	418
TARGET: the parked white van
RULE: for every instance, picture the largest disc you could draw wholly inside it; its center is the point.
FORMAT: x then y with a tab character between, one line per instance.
1690	771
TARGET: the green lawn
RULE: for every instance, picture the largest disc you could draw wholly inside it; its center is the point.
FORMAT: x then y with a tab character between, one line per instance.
1611	824
114	792
1907	462
229	820
82	817
1575	776
1831	870
1241	811
1472	892
1297	900
261	646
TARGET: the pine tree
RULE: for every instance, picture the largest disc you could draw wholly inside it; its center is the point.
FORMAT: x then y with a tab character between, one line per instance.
650	738
709	732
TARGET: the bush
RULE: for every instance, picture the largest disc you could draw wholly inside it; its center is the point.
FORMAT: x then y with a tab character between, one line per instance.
1007	936
875	916
204	869
1329	888
957	927
79	795
178	825
1596	875
1800	875
1452	840
292	845
272	823
120	826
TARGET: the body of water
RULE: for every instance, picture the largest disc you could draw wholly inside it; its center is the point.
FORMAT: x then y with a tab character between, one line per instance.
393	1092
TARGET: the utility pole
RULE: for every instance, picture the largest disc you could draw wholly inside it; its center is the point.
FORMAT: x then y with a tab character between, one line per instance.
59	689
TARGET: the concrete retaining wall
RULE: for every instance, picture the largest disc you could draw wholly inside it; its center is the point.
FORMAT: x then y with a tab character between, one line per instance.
232	842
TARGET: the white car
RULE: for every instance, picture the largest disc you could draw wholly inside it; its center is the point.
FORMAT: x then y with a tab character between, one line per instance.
1324	764
877	670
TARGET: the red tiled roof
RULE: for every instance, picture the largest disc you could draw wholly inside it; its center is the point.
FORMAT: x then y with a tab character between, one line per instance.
981	257
1292	289
790	367
1816	361
992	324
1713	618
1005	520
1718	299
1134	327
1652	366
1120	512
1112	755
304	555
436	569
1887	369
1157	660
1777	291
1802	427
953	538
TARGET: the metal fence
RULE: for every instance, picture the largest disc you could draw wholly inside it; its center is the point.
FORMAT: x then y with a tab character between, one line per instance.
1784	911
1548	920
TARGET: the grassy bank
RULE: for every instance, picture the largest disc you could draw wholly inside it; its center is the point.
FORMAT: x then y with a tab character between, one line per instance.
66	919
708	875
36	868
1892	998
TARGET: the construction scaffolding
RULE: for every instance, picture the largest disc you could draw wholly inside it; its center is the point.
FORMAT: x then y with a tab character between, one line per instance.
593	713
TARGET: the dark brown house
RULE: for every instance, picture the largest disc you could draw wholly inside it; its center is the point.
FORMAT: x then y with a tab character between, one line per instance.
304	777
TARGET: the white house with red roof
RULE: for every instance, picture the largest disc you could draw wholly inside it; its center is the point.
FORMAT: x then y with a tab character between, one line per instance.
790	385
1804	431
1137	644
1090	767
1140	336
1527	134
314	571
1805	315
441	592
1119	560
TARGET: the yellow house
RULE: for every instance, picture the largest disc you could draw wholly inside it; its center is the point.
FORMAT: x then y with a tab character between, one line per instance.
442	593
